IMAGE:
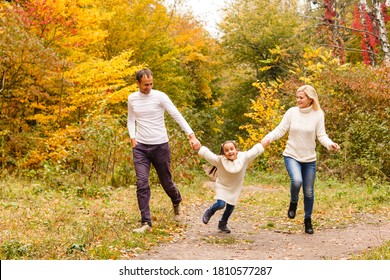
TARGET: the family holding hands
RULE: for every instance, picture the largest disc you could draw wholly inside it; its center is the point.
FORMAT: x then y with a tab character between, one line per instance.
303	123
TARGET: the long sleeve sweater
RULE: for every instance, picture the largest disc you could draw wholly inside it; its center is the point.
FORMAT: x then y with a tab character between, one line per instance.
145	120
230	173
303	127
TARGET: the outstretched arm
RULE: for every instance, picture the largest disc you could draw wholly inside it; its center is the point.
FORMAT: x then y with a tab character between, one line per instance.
194	142
278	131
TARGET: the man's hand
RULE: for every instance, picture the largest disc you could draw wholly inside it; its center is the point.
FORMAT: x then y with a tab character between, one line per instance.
194	142
133	142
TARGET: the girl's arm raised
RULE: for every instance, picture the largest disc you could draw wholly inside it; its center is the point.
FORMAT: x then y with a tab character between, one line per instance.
209	155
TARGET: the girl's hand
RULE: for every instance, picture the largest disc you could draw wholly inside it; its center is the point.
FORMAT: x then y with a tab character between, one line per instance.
265	142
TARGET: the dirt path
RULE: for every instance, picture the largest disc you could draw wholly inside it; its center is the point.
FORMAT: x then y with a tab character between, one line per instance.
204	242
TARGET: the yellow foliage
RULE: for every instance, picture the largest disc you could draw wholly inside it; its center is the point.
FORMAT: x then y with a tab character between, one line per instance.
99	82
266	114
120	95
315	61
43	119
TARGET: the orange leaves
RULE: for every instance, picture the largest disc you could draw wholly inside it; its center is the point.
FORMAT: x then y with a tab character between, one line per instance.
51	20
65	64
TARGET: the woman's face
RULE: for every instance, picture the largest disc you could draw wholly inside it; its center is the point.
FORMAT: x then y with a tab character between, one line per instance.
230	151
303	100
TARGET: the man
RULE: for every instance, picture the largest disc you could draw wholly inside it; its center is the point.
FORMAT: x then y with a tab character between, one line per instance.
149	140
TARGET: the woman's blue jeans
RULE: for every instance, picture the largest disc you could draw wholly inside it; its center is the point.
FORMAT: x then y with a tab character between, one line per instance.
302	174
220	204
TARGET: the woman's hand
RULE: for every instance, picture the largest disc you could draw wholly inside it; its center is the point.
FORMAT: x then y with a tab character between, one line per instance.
265	142
335	147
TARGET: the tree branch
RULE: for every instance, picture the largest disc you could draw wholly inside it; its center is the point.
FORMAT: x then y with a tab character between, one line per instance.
2	82
349	49
349	28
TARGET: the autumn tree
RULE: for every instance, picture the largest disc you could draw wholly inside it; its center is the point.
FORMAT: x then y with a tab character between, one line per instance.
67	68
28	70
252	27
340	21
266	113
260	39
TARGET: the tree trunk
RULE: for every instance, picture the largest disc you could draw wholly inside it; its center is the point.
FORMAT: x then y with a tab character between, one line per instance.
382	32
364	9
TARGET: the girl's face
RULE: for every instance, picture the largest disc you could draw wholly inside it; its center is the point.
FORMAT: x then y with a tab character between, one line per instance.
230	151
303	100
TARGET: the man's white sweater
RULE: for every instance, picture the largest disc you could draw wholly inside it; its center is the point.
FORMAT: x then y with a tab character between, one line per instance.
145	119
303	127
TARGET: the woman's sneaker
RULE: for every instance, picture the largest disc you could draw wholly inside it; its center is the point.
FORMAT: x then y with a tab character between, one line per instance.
292	209
308	226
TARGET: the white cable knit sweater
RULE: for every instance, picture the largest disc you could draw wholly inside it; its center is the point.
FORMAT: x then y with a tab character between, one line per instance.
145	120
303	127
230	173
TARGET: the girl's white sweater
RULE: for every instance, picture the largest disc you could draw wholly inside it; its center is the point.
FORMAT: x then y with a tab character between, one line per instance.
230	173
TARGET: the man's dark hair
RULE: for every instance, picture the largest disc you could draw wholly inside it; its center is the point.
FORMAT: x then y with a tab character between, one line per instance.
143	72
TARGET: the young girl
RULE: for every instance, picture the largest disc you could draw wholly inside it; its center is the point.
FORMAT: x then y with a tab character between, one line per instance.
230	166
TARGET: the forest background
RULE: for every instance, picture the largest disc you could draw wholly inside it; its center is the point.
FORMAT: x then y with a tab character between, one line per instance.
67	68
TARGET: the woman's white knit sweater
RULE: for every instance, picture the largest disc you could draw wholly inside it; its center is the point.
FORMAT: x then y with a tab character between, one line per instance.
303	127
230	173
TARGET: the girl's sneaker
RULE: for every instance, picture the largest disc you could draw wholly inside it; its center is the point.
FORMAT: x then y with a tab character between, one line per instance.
206	216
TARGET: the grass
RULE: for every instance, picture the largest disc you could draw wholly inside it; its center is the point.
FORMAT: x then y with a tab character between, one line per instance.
41	222
73	220
336	203
381	253
225	240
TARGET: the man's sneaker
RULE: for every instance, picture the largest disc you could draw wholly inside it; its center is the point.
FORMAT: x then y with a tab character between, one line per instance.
207	216
176	211
144	227
222	227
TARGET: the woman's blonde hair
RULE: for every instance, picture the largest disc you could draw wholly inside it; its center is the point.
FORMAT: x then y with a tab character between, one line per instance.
312	94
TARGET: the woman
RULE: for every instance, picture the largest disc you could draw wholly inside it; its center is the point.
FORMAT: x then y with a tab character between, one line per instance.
304	123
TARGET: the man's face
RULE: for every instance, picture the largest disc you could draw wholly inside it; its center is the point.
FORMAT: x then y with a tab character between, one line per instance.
146	84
